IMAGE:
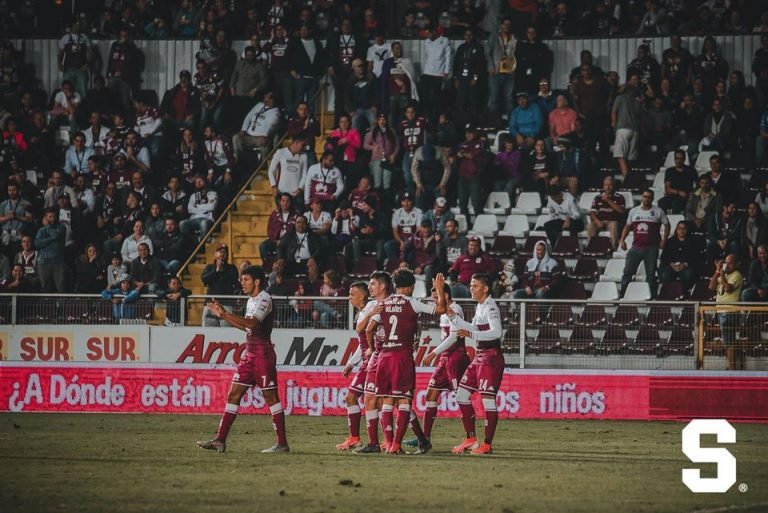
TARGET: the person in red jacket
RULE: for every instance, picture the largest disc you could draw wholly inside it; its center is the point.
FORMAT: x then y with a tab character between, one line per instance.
281	221
475	260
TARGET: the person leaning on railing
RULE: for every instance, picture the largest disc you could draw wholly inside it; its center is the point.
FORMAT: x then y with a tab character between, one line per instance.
727	281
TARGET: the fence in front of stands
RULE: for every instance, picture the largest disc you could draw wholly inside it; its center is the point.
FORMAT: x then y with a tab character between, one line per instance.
537	334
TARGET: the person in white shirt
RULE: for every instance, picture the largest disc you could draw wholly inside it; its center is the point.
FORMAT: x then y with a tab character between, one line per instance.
378	52
96	134
258	127
76	159
564	214
324	180
130	249
405	223
436	68
319	220
201	206
65	105
288	170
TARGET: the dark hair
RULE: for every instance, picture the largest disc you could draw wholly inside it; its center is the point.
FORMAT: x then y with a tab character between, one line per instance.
257	273
144	244
714	157
483	277
362	287
383	277
403	278
679	152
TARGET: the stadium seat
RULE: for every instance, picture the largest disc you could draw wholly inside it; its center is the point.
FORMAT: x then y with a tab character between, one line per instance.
647	341
629	201
659	316
504	246
614	269
614	340
496	146
637	291
559	315
702	162
585	270
420	289
673	220
687	317
337	263
658	187
634	182
530	244
620	253
626	316
605	291
680	341
571	289
757	180
671	291
497	203
528	203
538	226
461	219
598	247
364	267
592	315
485	225
547	340
567	246
581	340
701	292
669	161
516	225
585	200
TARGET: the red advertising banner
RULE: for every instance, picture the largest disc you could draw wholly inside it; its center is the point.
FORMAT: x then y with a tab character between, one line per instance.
321	391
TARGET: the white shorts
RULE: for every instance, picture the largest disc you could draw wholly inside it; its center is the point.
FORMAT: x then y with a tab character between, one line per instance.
625	144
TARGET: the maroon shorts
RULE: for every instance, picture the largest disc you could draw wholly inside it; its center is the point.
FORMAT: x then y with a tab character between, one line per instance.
370	373
449	370
485	372
396	374
258	368
358	378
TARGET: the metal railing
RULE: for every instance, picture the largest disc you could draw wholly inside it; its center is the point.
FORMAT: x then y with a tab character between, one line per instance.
537	334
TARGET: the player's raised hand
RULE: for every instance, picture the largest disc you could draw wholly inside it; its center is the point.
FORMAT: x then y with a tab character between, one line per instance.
215	308
439	282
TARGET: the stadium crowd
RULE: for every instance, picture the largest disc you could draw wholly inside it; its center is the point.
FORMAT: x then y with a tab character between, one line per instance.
108	186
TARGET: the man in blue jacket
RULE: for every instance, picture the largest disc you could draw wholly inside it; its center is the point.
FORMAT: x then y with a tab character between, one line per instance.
525	122
50	243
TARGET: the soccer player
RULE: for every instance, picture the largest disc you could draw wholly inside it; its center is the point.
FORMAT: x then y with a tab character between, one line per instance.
396	373
452	361
257	367
380	287
358	298
485	372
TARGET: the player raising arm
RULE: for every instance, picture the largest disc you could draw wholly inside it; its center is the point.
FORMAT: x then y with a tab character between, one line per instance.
258	366
485	372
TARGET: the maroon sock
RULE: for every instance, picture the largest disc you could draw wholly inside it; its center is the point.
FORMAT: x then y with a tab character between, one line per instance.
403	419
278	422
429	418
386	425
468	418
491	419
372	423
230	414
416	427
353	419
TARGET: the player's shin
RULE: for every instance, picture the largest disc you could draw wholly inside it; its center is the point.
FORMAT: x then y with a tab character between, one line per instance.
429	417
278	422
230	414
372	423
387	417
491	418
353	419
464	399
416	426
403	418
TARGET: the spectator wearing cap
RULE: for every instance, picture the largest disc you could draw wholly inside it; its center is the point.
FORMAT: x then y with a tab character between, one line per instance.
439	215
181	104
130	248
49	241
475	260
258	127
405	222
431	170
221	279
384	146
469	155
201	206
525	122
468	70
436	67
123	298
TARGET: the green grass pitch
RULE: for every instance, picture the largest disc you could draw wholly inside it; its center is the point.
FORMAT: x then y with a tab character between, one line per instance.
130	463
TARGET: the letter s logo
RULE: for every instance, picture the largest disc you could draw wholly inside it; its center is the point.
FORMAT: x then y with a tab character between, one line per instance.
725	461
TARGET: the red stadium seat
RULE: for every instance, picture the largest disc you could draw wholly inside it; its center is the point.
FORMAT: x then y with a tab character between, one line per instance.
504	246
364	267
614	340
648	341
586	270
593	315
626	316
671	291
659	316
571	289
598	247
680	341
580	341
560	315
547	340
567	246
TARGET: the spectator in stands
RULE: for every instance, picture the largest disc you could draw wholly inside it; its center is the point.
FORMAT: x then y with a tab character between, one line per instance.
258	127
625	119
677	65
470	157
397	85
96	133
421	253
436	67
154	222
468	70
727	282
75	57
324	181
302	124
646	222
184	22
218	155
90	271
345	141
590	100
299	251
541	277
221	279
76	159
319	221
473	261
500	56
130	248
18	282
541	169
174	200
709	66
287	171
212	89
680	258
679	183
72	221
57	187
170	246
525	122
702	205
439	215
189	160
564	214
281	221
16	219
344	227
123	298
760	67
65	105
137	157
279	65
723	232
405	222
146	193
307	61
49	241
27	258
181	104
718	129
562	23
450	245
646	67
562	122
124	67
384	146
690	121
754	232
360	97
727	186
761	144
146	271
413	134
535	62
607	212
757	278
201	206
343	49
250	79
173	296
325	312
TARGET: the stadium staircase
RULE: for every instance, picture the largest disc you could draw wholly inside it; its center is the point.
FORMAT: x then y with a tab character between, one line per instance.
242	226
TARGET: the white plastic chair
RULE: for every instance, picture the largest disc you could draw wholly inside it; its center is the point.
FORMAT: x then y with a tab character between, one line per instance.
527	203
538	226
420	289
605	291
637	291
516	225
620	253
461	219
496	144
586	199
669	161
673	220
702	161
629	201
614	270
486	225
497	203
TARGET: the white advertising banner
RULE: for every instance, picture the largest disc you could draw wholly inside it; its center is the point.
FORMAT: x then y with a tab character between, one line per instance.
75	343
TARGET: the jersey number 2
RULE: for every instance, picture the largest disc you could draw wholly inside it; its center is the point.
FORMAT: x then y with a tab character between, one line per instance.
393	328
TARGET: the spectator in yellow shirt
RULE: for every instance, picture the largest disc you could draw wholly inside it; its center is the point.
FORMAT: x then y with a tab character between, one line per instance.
727	281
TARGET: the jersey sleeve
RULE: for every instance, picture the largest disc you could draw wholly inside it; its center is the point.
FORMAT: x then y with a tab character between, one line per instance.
446	344
259	307
422	308
495	331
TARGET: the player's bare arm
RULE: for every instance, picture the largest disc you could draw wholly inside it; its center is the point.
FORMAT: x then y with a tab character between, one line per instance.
243	323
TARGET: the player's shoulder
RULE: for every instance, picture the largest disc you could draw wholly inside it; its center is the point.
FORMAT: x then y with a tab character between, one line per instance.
368	307
456	307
